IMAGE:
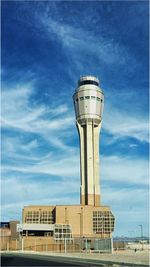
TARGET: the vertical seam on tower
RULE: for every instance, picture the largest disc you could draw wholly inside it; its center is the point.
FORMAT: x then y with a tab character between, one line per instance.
93	162
86	166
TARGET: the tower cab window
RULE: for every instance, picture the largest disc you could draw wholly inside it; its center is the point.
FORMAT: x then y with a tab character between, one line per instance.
87	97
88	82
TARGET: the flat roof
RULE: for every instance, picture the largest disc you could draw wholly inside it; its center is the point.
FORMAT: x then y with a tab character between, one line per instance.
35	227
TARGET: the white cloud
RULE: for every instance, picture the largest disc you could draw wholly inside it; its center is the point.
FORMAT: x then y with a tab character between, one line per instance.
126	199
123	124
18	112
124	170
82	46
22	189
68	167
83	42
18	192
30	146
130	207
133	145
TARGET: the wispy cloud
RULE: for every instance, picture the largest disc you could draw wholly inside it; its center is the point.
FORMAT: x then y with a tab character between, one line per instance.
18	192
82	46
124	170
68	167
20	113
129	205
125	124
84	42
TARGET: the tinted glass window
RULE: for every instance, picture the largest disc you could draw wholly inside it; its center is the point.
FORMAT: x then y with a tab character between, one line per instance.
93	97
98	99
81	98
87	97
88	82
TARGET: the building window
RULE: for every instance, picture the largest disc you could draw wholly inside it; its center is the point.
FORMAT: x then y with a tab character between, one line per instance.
81	98
87	97
46	217
88	82
92	97
62	232
98	99
103	222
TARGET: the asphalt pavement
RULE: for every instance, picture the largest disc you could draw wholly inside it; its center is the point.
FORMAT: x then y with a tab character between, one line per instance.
30	260
21	259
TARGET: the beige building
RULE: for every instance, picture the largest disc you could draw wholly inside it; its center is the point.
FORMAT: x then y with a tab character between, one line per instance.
68	221
8	235
89	220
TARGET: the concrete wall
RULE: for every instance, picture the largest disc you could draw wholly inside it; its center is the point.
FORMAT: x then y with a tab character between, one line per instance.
5	235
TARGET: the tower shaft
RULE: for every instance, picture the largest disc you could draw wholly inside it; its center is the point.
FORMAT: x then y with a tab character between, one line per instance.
89	163
88	103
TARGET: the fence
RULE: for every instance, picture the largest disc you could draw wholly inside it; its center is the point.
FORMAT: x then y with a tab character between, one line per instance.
47	244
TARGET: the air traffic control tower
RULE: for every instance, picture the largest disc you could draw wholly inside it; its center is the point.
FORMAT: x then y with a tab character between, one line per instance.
89	221
88	103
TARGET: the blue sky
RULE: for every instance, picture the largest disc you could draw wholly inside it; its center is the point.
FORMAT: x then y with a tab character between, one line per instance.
46	47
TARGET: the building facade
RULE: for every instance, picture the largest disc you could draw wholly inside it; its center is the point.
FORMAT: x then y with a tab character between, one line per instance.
68	221
8	235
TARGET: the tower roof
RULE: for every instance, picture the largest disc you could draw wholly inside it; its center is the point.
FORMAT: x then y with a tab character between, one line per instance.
88	79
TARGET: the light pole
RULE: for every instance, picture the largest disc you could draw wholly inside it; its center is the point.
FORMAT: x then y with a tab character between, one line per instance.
65	241
80	229
85	243
102	227
20	240
39	215
22	244
35	244
46	244
112	249
80	214
141	226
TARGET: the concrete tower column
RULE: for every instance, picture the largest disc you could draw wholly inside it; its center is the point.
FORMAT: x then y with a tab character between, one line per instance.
88	102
